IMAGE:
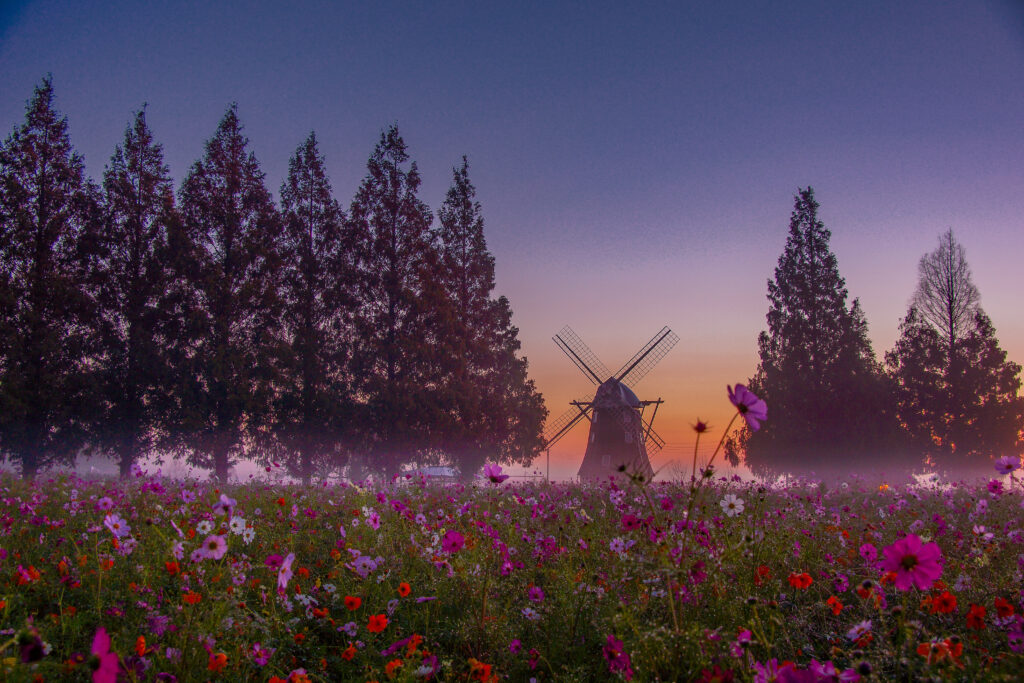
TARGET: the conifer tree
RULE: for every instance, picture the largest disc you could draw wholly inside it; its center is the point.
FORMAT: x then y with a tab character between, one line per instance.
133	276
226	293
957	394
397	348
48	217
497	413
818	373
315	404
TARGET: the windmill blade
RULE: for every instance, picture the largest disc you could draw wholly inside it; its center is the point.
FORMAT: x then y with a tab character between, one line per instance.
581	355
637	367
654	442
565	422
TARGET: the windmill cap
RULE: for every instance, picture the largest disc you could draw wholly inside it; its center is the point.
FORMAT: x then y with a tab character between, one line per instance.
614	392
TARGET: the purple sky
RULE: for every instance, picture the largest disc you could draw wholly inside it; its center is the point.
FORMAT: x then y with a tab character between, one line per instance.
636	162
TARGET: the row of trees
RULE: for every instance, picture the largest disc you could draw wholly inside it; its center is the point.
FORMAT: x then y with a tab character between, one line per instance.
213	325
946	397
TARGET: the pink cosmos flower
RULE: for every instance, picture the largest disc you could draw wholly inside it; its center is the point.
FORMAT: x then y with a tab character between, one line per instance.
753	409
214	547
108	667
1007	464
493	472
117	525
913	562
273	561
453	542
285	573
261	655
225	505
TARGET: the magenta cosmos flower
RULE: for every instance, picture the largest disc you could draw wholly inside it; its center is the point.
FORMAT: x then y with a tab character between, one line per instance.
913	562
453	542
493	472
106	668
753	409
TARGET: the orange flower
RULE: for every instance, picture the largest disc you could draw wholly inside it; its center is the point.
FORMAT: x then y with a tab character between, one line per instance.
352	603
319	611
349	653
479	671
391	666
415	640
192	597
404	589
217	662
140	645
303	572
378	622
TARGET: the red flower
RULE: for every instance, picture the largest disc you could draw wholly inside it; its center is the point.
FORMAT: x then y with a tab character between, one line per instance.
192	597
943	603
976	617
800	581
349	653
1003	608
217	662
834	603
378	622
352	603
391	666
404	589
761	573
172	568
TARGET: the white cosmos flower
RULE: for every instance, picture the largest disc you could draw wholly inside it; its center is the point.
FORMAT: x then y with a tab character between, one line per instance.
248	535
204	527
237	525
731	505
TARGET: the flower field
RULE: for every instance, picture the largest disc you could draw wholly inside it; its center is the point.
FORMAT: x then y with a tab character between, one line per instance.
157	579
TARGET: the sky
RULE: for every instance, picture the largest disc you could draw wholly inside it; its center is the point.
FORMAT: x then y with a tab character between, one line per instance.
636	162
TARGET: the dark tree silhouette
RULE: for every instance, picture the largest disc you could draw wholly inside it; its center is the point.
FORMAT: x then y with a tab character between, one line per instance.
48	214
957	394
133	277
317	277
228	351
397	349
497	413
828	398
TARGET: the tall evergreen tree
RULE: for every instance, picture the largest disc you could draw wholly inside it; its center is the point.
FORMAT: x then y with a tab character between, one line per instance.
497	411
317	282
48	214
227	294
396	346
817	372
133	276
957	394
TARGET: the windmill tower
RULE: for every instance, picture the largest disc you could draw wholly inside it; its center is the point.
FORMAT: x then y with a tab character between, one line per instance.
620	434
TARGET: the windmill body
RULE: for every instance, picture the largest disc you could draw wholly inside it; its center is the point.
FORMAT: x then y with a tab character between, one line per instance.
621	437
616	443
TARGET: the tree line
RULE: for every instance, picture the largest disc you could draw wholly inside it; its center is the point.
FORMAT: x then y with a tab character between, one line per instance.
945	398
211	324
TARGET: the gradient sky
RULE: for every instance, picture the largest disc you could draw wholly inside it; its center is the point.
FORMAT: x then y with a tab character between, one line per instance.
636	162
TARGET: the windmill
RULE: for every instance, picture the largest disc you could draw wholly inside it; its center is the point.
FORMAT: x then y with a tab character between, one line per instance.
620	434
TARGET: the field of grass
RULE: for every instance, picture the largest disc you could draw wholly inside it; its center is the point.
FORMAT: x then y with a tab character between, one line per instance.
157	579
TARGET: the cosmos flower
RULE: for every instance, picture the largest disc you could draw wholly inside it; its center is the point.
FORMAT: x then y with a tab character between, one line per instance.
859	630
284	574
535	594
225	505
753	409
214	547
493	472
107	669
452	542
117	526
1007	464
261	655
352	603
914	563
616	658
237	525
731	505
377	623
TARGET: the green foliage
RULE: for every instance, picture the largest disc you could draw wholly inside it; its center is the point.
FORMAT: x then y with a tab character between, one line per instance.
48	220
